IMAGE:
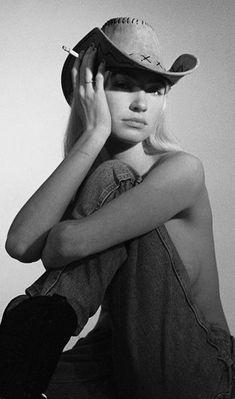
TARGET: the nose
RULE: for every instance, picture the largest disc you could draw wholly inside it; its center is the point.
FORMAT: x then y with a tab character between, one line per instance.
139	101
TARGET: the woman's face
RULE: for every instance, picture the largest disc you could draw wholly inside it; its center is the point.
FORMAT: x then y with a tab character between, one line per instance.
136	100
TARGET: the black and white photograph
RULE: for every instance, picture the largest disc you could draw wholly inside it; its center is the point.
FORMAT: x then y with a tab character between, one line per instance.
117	199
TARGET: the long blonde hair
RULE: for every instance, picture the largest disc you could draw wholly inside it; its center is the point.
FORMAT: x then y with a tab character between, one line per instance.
162	140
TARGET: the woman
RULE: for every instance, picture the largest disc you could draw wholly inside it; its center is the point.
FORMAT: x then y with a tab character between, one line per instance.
146	255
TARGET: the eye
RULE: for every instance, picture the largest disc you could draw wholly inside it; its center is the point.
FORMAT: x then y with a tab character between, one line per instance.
121	84
156	91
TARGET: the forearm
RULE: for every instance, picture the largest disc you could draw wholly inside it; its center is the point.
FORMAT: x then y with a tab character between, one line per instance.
173	187
131	215
128	216
46	207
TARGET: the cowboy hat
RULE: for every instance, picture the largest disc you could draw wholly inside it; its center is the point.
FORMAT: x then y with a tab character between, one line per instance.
128	43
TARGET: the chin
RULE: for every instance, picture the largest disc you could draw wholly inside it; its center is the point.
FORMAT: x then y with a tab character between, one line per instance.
132	136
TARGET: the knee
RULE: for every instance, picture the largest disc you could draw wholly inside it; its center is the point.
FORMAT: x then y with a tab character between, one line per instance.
116	167
109	180
109	171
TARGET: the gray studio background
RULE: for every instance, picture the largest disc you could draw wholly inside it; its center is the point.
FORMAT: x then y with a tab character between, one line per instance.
34	112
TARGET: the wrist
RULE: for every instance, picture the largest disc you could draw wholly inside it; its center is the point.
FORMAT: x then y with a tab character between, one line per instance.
92	141
99	134
88	145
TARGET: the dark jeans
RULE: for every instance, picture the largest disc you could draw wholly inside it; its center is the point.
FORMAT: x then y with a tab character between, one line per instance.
153	342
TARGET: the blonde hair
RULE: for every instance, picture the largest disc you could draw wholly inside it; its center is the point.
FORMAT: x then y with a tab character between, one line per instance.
160	142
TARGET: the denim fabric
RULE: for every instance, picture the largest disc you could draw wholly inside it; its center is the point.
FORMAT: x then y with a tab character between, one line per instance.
84	282
160	345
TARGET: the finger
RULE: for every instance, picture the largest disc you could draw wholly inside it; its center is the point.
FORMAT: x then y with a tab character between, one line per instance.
89	69
85	67
76	69
75	72
100	76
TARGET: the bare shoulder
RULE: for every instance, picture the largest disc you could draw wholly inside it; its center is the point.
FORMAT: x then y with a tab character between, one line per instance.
181	171
183	163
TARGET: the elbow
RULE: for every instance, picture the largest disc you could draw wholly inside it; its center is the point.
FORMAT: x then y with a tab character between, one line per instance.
15	248
18	250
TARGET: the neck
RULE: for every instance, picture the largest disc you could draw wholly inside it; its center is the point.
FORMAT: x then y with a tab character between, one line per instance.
135	157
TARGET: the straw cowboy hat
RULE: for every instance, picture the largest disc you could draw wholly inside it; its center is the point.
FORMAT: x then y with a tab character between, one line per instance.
128	43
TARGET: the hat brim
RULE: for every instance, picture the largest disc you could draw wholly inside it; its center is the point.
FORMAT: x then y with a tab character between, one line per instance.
114	57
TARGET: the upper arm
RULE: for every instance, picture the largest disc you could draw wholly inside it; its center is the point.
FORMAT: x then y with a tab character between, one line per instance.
172	186
178	180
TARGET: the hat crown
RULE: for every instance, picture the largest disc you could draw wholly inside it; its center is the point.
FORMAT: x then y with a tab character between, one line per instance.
135	37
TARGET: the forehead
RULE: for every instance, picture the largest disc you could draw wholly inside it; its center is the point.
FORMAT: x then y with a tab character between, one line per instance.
139	75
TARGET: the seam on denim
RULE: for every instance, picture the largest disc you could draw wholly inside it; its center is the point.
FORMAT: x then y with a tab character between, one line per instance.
128	176
125	175
104	200
56	279
96	205
109	190
227	362
184	288
189	298
31	290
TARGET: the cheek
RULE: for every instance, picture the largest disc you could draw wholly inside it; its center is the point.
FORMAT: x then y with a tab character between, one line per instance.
115	103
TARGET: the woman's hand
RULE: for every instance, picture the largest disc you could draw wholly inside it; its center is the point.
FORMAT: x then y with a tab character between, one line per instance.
90	97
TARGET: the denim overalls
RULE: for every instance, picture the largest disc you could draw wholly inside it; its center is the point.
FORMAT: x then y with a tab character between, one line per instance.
151	341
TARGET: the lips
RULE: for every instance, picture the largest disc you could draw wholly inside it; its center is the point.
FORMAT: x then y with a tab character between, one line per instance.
136	120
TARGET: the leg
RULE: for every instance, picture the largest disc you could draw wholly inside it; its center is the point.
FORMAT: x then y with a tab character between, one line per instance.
32	337
83	287
85	371
84	282
162	345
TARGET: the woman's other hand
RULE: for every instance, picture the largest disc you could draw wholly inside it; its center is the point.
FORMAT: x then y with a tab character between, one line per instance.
89	93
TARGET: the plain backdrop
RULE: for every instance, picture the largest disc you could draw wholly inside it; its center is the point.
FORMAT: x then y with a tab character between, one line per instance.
34	113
